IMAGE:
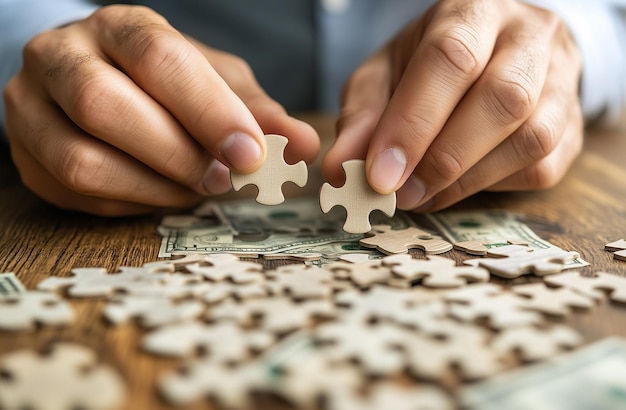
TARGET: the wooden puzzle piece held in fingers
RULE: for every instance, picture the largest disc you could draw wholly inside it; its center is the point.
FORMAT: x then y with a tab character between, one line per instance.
357	197
274	172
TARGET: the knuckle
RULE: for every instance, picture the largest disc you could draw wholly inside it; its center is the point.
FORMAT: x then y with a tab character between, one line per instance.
542	175
512	98
456	50
95	102
82	170
446	164
535	140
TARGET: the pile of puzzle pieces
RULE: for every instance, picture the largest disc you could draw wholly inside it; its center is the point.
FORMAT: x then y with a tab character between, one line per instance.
338	334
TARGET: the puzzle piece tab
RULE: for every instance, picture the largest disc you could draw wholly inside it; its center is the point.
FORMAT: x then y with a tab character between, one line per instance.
21	312
513	261
436	271
592	286
357	197
274	172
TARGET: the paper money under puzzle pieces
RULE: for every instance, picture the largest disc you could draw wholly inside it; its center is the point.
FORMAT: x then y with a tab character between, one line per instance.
274	172
357	197
67	378
390	241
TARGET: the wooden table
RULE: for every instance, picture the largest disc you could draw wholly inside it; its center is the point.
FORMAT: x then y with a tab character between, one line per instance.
585	211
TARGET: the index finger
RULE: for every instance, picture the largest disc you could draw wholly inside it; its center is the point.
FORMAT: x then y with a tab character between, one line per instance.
176	74
451	55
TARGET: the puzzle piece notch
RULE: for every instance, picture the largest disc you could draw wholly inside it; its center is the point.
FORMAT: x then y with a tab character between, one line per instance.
274	172
357	197
592	286
436	271
23	311
513	261
618	248
67	378
390	241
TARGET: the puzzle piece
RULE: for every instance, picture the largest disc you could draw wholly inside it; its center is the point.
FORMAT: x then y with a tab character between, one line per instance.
535	344
68	378
592	286
463	347
374	347
274	172
486	300
357	197
225	342
152	311
515	261
381	302
389	395
277	315
427	317
391	241
436	271
300	282
618	248
221	291
363	274
556	302
94	282
477	247
21	312
225	266
230	386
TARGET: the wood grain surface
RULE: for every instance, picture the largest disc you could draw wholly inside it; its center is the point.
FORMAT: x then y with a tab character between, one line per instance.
584	212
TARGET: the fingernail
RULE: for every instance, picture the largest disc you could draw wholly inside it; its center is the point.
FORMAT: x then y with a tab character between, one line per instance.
387	169
217	179
241	151
410	194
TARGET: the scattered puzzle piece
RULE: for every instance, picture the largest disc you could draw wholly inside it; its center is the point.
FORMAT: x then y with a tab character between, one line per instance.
515	261
477	247
223	290
436	271
226	266
230	386
487	300
274	172
152	311
618	248
464	348
391	241
363	274
225	342
357	197
300	282
21	312
535	344
68	378
557	302
592	286
374	347
94	282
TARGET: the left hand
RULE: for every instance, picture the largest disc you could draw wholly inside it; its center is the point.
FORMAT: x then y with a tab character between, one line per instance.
473	95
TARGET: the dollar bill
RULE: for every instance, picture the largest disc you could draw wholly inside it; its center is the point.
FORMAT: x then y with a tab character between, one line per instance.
10	285
593	377
251	228
493	228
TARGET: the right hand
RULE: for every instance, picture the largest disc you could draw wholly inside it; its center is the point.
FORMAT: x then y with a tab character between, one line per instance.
121	114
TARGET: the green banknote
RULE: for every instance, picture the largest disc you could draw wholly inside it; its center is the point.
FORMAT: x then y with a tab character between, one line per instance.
244	226
10	285
590	378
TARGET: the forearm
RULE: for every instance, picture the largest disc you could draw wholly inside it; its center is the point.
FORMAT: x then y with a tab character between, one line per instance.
20	20
599	28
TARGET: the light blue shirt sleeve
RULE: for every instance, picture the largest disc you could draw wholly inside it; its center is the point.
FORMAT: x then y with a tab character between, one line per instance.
21	20
599	28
